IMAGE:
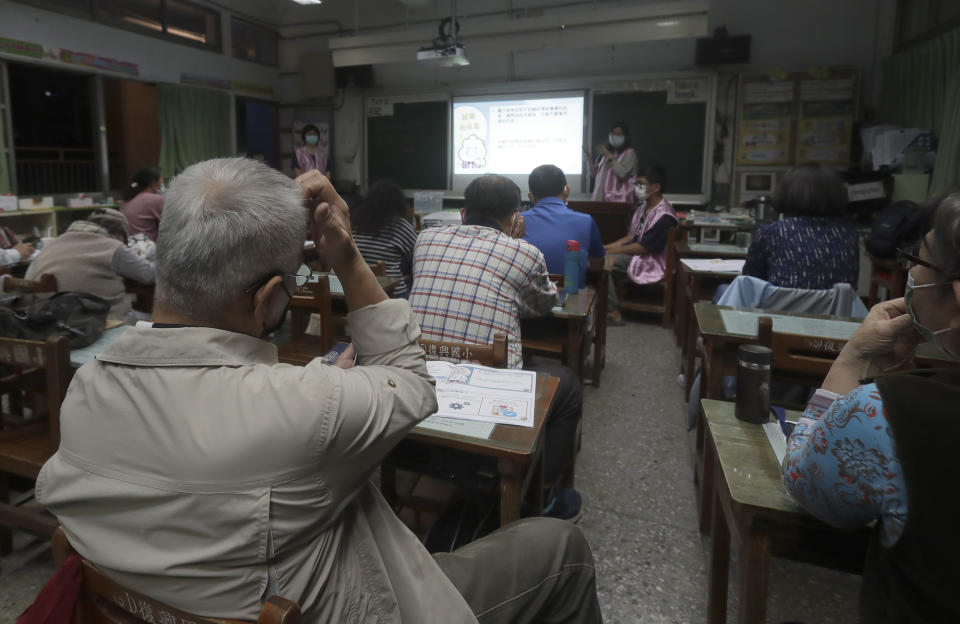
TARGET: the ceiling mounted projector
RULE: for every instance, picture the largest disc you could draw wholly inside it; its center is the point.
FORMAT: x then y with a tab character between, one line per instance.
446	51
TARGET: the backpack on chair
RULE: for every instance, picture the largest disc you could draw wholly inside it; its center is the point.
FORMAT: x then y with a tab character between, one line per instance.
900	221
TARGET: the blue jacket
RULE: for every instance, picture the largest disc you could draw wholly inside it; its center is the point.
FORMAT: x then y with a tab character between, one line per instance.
550	224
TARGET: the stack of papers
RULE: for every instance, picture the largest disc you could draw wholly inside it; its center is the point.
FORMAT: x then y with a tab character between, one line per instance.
483	394
715	265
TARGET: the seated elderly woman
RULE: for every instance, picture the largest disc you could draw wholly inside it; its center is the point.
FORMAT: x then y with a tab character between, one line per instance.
874	447
813	246
92	256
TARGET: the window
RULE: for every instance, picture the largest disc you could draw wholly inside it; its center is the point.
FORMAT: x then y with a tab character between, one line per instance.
175	20
253	43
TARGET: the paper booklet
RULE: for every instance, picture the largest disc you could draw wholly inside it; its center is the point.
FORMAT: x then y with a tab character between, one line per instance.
481	393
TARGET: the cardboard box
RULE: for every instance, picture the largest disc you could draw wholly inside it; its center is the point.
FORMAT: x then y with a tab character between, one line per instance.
8	203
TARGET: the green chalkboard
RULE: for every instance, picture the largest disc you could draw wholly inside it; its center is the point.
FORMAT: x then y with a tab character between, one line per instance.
410	146
669	135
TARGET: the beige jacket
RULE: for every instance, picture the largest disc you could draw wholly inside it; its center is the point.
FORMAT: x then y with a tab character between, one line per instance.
195	469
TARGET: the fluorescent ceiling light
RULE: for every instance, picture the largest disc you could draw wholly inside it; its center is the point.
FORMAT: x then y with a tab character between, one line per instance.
308	1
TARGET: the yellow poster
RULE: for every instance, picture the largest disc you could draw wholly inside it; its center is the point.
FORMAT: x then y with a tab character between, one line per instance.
764	141
824	140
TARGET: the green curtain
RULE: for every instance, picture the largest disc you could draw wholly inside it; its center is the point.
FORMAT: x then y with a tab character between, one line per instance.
915	82
4	172
921	87
946	169
194	126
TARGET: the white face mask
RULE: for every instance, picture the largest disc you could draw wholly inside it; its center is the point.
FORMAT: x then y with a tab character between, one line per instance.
640	192
616	140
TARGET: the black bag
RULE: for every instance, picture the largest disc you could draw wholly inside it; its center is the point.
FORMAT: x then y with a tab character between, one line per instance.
81	317
898	222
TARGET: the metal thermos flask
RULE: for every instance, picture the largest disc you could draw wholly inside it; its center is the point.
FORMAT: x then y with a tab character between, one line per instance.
753	383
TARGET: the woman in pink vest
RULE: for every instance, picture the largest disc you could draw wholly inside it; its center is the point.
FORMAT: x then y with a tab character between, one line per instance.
312	154
143	202
641	255
615	167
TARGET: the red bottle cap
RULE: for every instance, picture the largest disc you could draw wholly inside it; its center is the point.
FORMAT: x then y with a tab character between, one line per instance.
573	245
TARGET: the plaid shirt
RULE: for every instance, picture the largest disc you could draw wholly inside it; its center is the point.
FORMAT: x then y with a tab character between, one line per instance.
471	282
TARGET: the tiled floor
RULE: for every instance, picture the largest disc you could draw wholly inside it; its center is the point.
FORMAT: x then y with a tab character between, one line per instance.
635	474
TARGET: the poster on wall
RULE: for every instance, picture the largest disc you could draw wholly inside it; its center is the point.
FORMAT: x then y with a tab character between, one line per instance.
301	156
766	122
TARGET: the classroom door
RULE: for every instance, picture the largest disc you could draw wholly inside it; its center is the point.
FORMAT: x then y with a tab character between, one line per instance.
258	130
133	128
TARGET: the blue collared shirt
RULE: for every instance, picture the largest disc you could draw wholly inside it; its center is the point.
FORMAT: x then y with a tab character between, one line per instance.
550	224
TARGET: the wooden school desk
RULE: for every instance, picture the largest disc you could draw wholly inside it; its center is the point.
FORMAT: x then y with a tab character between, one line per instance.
693	286
563	331
517	450
743	490
683	250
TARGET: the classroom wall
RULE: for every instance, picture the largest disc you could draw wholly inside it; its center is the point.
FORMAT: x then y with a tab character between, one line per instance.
785	34
157	60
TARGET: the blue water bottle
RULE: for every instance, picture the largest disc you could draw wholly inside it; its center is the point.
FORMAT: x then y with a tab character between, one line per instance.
571	267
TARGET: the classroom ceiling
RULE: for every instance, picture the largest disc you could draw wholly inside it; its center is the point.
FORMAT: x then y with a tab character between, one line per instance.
374	14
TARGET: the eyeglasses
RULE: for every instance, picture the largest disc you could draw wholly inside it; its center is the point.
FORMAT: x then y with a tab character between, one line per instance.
300	279
909	257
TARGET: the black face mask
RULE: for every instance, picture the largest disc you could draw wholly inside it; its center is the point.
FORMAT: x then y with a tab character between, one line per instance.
279	298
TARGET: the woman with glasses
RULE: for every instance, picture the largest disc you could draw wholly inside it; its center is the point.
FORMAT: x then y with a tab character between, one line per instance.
813	246
615	166
878	449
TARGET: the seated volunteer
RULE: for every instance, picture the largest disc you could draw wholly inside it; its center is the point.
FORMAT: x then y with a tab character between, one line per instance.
383	232
478	279
641	255
550	223
881	451
812	246
197	470
92	257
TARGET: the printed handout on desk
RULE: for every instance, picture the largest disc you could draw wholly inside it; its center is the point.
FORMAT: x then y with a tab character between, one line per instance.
715	265
491	395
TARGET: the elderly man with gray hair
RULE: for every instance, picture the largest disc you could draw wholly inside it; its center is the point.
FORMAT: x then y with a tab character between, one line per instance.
197	470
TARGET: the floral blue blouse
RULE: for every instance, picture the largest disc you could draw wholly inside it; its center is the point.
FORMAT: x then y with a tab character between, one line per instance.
842	465
805	252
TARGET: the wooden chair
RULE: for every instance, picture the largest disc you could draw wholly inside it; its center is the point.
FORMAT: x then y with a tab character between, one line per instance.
38	371
493	355
46	283
663	307
310	299
104	601
886	274
798	359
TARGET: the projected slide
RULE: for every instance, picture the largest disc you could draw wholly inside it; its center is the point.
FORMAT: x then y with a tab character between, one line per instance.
514	136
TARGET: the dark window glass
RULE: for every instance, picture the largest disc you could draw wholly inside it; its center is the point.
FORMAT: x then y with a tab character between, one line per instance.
253	43
173	19
193	23
135	14
52	130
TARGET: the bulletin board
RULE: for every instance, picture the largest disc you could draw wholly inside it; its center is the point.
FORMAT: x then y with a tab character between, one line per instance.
792	118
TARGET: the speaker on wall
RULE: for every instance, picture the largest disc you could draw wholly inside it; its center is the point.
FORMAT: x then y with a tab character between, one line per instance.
354	76
722	49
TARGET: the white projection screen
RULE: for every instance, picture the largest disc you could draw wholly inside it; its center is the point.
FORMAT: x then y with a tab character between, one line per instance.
512	134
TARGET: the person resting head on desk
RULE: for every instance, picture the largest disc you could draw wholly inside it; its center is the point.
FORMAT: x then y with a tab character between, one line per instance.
813	246
880	448
641	255
92	257
195	469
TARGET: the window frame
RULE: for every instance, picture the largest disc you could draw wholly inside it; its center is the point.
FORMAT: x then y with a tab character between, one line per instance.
276	44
